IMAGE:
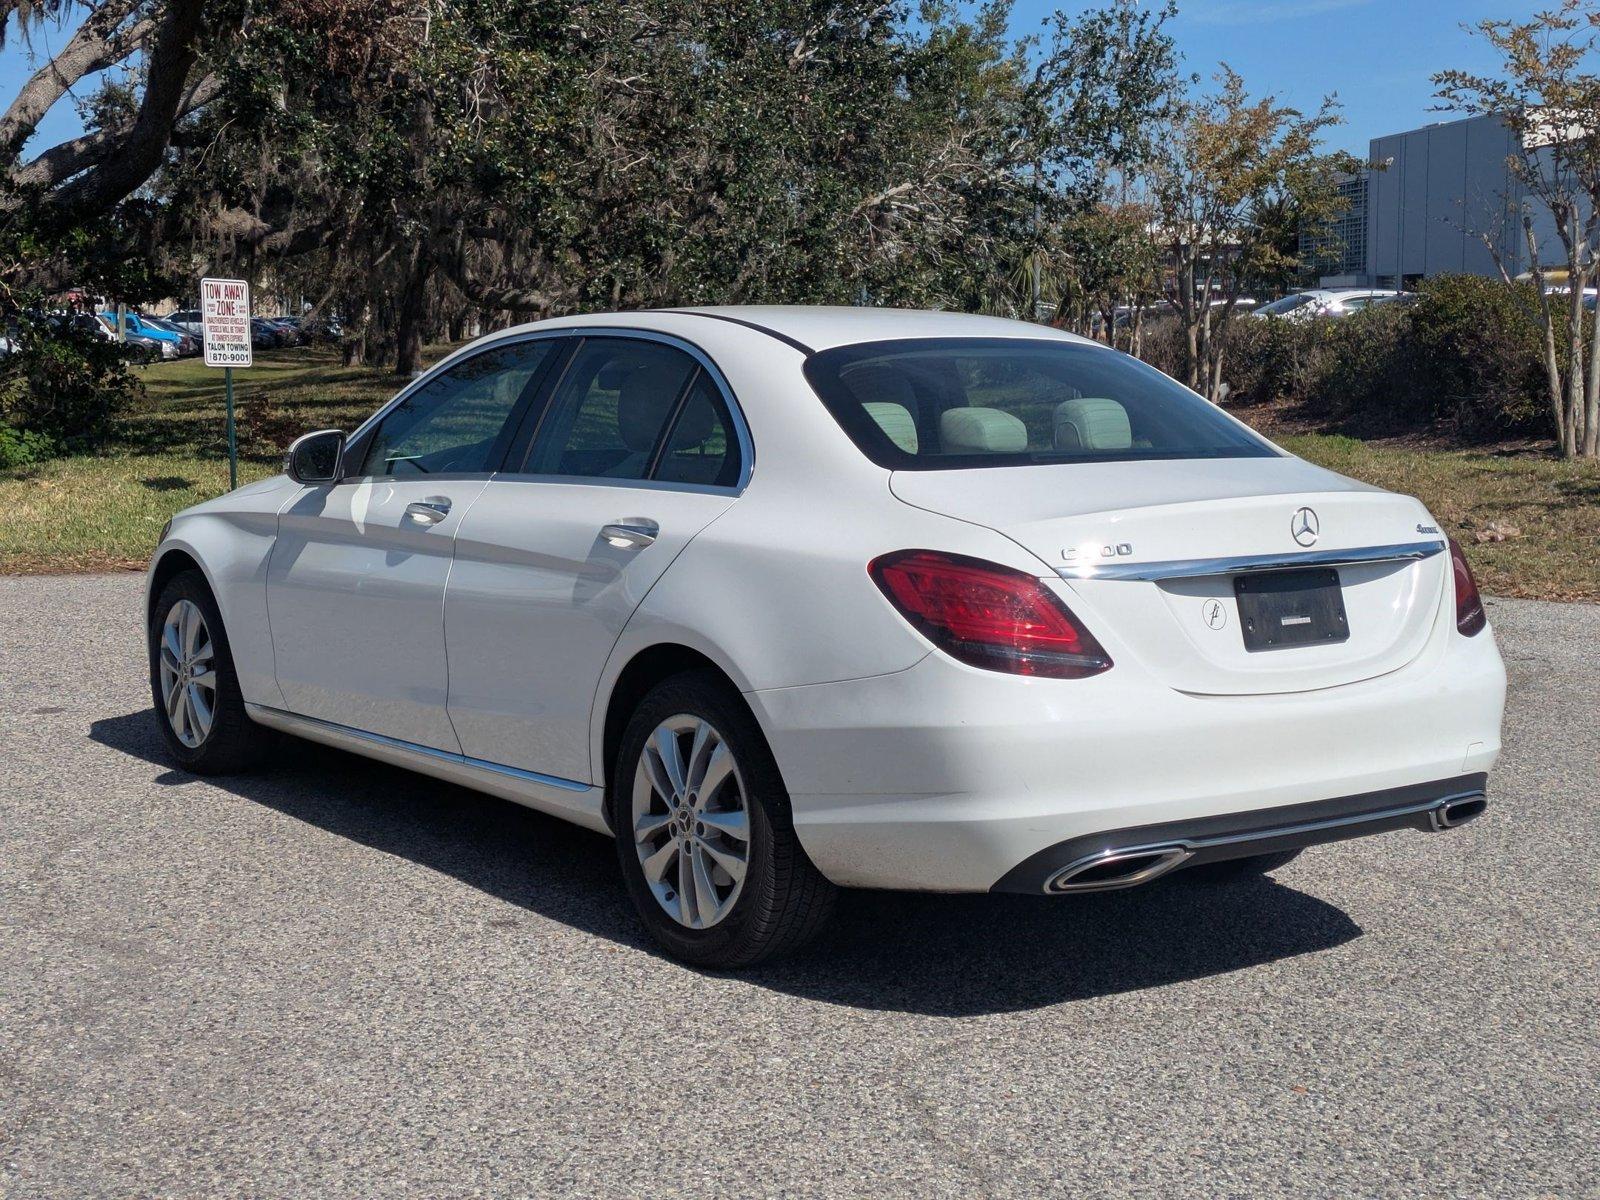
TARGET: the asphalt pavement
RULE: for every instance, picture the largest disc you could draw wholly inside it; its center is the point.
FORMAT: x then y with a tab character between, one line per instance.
337	979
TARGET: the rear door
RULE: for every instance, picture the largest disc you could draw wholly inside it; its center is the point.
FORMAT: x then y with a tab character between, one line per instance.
355	585
638	449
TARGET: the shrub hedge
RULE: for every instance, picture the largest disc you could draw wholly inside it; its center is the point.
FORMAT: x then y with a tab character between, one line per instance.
61	389
1463	358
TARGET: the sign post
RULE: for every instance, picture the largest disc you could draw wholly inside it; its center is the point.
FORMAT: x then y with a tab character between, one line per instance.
225	316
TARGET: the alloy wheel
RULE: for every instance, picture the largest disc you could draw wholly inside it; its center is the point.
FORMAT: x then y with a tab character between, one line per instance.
691	821
188	673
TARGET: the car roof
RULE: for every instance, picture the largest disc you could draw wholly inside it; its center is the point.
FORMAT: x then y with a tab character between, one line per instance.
810	328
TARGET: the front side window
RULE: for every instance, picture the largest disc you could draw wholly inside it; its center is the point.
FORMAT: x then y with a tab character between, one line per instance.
457	422
979	402
631	409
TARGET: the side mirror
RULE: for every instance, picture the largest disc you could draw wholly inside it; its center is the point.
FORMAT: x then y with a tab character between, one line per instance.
316	457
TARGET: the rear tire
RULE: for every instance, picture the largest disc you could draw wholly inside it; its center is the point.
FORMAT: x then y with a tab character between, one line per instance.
704	832
1232	870
198	706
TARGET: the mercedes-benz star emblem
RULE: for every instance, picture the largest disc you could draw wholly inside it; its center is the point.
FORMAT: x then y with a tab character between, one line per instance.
1304	527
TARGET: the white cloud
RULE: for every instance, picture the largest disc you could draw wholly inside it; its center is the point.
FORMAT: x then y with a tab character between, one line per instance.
1257	12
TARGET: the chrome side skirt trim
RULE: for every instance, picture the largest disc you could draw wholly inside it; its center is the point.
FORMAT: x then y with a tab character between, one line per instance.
1185	568
567	798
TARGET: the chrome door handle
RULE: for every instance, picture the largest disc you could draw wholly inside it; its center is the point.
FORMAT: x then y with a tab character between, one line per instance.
631	533
430	511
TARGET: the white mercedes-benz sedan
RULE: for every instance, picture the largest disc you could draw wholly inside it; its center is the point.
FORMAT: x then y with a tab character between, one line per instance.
791	599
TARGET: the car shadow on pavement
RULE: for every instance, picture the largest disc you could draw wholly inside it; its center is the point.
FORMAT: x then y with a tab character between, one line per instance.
930	954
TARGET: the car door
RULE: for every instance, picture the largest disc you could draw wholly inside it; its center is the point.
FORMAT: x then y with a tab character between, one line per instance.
637	450
355	584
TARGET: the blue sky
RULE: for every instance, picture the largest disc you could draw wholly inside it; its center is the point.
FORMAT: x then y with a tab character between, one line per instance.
1376	55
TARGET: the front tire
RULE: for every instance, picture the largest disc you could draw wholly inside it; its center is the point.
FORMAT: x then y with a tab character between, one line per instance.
704	832
198	706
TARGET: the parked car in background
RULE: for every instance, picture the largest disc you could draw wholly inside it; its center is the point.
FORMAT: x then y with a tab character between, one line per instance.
1317	303
168	341
82	323
141	346
188	344
322	329
790	599
264	335
190	320
288	329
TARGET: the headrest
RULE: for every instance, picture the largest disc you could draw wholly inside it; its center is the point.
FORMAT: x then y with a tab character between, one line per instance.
981	430
895	420
643	402
875	381
697	422
1092	423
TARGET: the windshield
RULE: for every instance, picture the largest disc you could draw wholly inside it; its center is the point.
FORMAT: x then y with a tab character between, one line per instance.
939	404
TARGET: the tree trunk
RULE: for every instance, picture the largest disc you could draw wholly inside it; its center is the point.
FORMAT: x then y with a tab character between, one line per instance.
1190	316
1591	398
1576	277
1552	357
355	334
413	317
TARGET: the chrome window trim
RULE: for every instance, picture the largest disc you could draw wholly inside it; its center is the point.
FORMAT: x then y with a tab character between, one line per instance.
741	428
1187	568
648	485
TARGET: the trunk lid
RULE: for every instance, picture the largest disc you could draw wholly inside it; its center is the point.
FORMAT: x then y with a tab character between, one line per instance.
1150	550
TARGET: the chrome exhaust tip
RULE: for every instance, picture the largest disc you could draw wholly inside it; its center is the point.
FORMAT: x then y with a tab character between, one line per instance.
1117	869
1455	811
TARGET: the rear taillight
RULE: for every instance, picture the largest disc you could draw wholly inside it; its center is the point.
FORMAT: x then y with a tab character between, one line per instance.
988	615
1470	618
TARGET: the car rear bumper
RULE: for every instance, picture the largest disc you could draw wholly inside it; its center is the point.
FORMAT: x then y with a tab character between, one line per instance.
1122	858
944	777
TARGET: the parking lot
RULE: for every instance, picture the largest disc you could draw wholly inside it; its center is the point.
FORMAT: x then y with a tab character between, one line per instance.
334	978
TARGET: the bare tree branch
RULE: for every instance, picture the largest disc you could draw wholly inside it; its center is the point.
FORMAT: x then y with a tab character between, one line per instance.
94	46
139	153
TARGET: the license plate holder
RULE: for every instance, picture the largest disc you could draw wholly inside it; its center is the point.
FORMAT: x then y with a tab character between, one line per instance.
1282	609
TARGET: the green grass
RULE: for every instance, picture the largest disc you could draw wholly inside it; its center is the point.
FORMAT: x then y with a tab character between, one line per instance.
104	511
1553	505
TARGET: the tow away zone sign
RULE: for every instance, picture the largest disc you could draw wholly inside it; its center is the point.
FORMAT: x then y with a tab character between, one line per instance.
225	313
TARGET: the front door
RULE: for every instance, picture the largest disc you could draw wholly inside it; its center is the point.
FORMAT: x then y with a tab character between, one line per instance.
636	453
355	585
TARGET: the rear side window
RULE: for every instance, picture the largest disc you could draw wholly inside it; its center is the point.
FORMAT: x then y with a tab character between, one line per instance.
987	402
632	409
610	409
702	447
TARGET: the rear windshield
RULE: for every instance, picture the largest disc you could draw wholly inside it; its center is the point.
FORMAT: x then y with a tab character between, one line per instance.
940	404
